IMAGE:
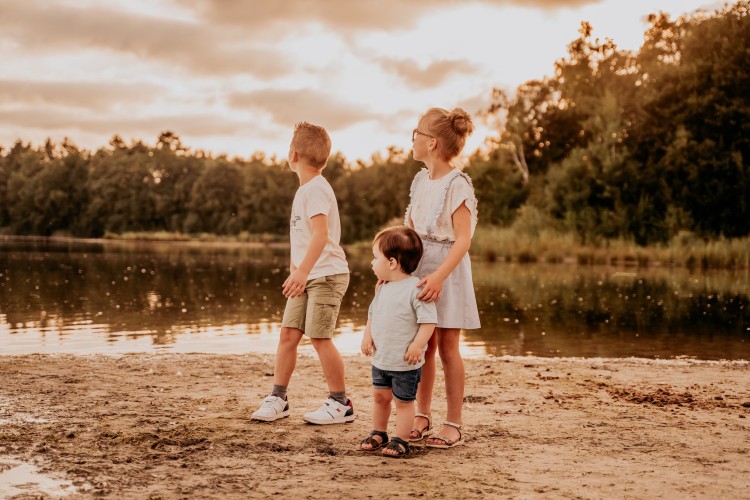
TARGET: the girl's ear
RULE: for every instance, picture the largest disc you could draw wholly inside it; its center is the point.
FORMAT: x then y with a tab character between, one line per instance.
392	264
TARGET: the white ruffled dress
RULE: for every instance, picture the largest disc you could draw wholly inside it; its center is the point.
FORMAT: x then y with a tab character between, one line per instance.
432	203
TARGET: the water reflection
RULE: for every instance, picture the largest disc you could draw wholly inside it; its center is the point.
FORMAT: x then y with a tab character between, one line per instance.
64	296
584	311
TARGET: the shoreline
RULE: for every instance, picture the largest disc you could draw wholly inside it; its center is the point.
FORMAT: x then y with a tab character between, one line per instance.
173	425
492	244
635	360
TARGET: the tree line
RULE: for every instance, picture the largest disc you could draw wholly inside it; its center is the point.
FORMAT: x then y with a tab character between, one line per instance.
616	144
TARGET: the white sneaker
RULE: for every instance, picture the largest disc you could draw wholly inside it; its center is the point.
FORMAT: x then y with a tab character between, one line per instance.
272	408
332	412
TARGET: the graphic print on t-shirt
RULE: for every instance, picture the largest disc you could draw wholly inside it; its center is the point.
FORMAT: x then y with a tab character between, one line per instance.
293	223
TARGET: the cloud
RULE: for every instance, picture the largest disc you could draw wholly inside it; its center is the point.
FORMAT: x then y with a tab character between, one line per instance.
196	125
287	107
549	4
198	47
431	76
221	37
397	121
344	15
93	96
476	104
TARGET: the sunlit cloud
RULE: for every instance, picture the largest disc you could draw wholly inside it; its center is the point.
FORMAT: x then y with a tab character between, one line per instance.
345	15
197	47
233	76
432	75
198	125
476	104
287	107
80	94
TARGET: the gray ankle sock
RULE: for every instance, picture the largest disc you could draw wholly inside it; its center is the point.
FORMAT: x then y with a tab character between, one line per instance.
339	397
279	391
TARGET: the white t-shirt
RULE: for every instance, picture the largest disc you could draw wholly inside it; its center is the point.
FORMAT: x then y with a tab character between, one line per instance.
396	314
429	193
316	197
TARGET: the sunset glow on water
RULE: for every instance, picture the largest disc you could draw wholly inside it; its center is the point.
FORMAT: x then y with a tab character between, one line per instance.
160	297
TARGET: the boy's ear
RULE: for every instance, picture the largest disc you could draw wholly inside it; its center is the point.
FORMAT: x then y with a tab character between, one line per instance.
392	264
294	156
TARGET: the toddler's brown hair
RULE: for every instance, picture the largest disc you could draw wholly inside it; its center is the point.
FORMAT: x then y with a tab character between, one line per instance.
401	243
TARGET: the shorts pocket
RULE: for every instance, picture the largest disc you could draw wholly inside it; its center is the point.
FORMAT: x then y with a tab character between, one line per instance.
325	314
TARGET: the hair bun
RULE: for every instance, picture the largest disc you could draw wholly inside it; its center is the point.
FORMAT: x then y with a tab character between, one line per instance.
461	122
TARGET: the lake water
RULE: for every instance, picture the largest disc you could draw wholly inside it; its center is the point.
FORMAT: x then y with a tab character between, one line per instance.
83	297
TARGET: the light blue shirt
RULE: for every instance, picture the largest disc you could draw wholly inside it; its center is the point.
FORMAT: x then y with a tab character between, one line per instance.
396	314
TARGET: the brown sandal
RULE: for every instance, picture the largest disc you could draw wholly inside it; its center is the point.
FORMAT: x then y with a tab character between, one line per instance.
421	433
398	445
374	443
447	442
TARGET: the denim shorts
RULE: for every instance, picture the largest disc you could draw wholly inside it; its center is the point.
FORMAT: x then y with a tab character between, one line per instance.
403	385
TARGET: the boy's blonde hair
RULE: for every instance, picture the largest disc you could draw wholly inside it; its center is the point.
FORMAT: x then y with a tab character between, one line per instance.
450	128
312	144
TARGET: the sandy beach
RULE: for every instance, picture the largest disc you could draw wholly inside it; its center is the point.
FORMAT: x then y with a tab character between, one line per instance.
177	426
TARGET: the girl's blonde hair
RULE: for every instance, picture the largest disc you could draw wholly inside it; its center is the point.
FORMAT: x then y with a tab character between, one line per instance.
450	128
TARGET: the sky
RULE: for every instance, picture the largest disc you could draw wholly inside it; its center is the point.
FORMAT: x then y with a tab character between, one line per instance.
233	77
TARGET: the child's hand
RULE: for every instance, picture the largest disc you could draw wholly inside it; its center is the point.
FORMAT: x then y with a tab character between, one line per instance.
413	354
294	285
433	287
368	346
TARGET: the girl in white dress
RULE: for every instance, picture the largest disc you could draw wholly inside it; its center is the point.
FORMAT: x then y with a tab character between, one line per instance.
443	211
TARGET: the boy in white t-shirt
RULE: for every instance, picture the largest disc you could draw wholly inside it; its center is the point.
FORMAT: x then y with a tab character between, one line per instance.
399	325
318	279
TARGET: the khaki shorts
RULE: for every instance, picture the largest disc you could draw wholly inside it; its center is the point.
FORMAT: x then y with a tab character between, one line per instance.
315	312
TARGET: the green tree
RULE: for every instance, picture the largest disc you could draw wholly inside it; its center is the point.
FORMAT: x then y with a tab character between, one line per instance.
696	116
215	200
267	200
499	187
121	183
371	196
175	173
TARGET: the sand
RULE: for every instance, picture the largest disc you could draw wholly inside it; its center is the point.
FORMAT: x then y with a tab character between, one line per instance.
176	426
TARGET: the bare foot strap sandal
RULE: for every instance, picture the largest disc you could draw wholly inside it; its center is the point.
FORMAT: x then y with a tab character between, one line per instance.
397	445
444	442
419	434
374	443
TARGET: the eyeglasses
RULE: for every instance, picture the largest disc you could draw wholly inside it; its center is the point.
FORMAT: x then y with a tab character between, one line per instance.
416	132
